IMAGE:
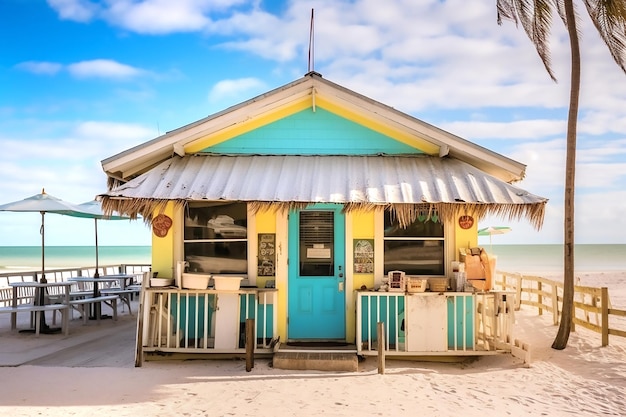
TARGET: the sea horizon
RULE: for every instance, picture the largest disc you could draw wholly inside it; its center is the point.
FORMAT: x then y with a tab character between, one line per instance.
510	257
28	258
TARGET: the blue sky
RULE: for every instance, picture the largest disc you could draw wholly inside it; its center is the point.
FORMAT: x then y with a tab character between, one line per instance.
83	80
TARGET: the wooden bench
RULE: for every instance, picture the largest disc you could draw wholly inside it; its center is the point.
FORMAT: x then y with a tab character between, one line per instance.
38	310
24	296
81	304
124	294
58	299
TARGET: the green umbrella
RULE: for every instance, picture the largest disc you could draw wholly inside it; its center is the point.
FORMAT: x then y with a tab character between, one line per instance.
93	210
42	203
493	230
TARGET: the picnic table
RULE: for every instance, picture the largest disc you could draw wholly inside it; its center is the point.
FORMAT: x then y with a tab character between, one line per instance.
37	308
99	295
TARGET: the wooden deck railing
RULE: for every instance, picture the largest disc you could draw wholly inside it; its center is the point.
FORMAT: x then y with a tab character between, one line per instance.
207	321
58	275
592	306
453	324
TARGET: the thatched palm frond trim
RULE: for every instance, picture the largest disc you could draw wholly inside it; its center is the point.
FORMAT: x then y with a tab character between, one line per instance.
405	213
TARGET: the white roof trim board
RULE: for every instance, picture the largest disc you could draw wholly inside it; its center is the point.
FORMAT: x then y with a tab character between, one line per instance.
333	179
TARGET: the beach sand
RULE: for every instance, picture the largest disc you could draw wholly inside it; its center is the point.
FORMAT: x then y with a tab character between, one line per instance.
585	379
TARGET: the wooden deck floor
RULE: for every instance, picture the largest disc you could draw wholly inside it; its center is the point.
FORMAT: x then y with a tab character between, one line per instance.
106	344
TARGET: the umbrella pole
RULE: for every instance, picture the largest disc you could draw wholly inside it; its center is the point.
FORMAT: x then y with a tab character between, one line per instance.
97	274
41	292
43	245
97	307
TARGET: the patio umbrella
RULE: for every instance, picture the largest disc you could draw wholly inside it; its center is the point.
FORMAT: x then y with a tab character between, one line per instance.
93	210
493	230
42	203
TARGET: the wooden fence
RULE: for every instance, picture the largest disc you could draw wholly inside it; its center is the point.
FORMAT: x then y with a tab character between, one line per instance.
592	306
25	295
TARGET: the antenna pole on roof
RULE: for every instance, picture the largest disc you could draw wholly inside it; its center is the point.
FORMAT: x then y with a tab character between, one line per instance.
311	46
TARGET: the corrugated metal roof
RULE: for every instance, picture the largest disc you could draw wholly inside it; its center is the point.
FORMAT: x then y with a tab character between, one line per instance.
337	179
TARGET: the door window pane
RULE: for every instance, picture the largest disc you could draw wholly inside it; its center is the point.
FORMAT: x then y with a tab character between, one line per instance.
317	231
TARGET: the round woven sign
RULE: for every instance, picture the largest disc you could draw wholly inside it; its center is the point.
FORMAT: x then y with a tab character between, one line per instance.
466	222
161	225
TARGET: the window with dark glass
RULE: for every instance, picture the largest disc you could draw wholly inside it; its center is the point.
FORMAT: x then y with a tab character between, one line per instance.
417	249
216	238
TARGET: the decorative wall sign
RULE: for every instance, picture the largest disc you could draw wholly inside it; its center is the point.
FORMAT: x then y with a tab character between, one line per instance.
466	222
267	255
363	256
161	225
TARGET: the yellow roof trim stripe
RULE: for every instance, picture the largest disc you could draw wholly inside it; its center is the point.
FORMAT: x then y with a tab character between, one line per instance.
410	140
247	126
294	107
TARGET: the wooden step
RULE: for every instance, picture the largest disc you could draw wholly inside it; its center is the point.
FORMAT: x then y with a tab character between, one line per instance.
318	361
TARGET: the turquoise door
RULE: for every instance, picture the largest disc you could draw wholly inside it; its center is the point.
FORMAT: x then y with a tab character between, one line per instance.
317	301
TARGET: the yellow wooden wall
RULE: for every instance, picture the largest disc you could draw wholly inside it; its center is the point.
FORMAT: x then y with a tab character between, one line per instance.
163	248
164	252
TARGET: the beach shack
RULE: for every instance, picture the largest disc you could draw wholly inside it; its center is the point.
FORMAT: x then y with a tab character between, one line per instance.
315	213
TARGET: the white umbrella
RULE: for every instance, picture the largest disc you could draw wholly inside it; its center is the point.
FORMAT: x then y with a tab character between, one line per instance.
42	203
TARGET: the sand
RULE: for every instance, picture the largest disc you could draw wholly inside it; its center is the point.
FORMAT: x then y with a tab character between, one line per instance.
583	380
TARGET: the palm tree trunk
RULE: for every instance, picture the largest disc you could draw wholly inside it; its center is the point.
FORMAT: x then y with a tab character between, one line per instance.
560	342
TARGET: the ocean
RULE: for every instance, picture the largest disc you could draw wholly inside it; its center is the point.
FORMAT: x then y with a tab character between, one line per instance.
549	258
28	258
511	258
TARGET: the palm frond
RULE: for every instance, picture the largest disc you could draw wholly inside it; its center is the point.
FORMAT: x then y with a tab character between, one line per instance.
609	18
535	16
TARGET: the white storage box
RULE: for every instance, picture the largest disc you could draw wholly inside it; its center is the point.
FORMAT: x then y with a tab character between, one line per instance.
161	282
226	282
195	281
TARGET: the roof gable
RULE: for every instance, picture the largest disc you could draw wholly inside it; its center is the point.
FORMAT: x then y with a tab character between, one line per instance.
309	92
312	132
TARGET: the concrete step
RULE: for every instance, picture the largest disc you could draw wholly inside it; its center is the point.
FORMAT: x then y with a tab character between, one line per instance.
317	361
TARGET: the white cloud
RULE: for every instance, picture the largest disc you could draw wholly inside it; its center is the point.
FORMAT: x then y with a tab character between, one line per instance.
99	68
76	10
521	129
232	90
40	67
159	16
103	68
65	161
146	16
71	158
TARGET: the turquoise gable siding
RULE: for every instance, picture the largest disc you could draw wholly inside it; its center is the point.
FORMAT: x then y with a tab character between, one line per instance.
312	133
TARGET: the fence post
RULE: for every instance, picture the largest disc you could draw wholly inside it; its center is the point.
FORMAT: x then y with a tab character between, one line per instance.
555	304
518	296
540	297
380	337
250	342
604	302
